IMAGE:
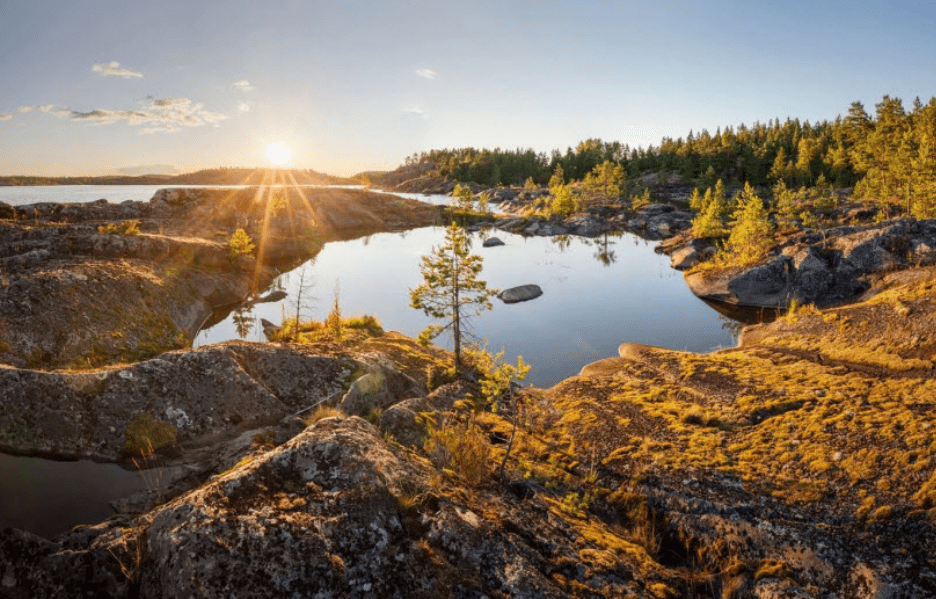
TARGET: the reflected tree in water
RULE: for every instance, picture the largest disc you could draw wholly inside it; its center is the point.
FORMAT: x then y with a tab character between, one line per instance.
604	252
562	242
731	325
244	321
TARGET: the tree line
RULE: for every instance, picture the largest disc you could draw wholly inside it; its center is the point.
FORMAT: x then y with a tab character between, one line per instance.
889	157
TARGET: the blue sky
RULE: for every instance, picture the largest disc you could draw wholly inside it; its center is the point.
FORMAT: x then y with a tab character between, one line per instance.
90	87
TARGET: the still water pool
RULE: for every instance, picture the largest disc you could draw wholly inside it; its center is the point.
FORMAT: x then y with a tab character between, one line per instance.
597	293
48	497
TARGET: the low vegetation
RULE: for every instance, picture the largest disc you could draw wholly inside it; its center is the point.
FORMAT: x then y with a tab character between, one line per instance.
127	227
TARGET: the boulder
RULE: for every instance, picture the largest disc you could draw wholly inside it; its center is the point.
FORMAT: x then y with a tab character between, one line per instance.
492	242
522	293
269	329
685	258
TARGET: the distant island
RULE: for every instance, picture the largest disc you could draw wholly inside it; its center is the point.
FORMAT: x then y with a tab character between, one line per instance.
214	176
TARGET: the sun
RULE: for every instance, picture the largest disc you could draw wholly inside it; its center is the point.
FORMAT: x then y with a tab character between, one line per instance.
278	153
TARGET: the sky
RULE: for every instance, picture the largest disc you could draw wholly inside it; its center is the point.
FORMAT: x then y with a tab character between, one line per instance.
91	87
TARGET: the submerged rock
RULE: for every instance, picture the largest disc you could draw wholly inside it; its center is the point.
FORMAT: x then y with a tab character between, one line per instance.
522	293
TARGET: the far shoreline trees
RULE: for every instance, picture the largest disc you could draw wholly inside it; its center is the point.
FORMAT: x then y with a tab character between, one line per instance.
889	158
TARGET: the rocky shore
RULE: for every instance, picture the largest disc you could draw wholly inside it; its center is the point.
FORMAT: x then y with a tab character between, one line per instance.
91	284
799	464
816	267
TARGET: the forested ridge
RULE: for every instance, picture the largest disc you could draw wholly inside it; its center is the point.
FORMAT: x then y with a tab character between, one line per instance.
889	157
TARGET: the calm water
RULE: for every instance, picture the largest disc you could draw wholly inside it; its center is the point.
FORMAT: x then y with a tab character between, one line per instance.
596	295
21	195
48	497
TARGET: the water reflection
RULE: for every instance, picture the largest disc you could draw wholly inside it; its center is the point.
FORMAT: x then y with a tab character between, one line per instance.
604	254
561	241
596	295
244	320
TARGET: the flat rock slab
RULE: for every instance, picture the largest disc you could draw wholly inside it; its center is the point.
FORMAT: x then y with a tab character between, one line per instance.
522	293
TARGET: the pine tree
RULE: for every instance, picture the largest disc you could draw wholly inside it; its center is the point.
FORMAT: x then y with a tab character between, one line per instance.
719	194
451	290
563	201
751	232
709	224
557	179
605	182
695	201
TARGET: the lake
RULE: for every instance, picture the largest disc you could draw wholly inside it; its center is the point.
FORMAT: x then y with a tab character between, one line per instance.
597	293
20	195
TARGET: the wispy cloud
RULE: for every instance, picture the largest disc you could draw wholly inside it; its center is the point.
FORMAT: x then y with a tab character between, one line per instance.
5	117
415	110
427	73
165	115
243	106
113	69
38	108
243	85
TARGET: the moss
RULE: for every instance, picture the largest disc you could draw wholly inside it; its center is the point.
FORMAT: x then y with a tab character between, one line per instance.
146	434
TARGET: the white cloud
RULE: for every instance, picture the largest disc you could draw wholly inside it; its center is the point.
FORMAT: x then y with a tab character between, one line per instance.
243	85
5	117
37	108
112	69
415	110
165	115
427	73
243	106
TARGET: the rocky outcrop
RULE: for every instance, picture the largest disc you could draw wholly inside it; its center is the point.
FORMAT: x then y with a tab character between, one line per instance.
162	267
822	269
522	293
654	221
198	395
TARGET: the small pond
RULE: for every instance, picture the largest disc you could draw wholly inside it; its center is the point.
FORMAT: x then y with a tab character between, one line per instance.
597	293
48	497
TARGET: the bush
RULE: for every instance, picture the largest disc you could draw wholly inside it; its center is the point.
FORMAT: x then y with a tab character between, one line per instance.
460	448
240	244
127	227
145	434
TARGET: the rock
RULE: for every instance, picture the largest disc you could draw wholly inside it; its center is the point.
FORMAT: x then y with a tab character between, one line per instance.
684	258
492	242
323	516
923	252
812	277
270	330
200	395
821	268
522	293
365	394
